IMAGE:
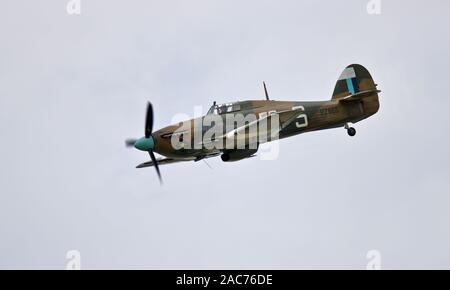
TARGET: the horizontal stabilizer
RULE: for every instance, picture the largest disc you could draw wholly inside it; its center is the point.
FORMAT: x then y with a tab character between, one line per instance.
359	96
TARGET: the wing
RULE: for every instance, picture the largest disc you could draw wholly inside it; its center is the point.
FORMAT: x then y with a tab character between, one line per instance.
285	118
162	161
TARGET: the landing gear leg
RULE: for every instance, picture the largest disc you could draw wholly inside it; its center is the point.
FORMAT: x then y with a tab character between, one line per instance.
350	130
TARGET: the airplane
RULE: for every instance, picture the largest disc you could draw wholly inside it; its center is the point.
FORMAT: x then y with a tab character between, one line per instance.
355	98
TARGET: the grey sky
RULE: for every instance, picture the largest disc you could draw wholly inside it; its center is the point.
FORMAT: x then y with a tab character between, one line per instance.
72	88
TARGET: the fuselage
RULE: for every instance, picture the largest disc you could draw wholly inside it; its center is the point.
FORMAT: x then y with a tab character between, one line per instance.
308	116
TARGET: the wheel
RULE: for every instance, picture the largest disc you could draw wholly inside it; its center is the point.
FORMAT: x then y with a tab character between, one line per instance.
351	131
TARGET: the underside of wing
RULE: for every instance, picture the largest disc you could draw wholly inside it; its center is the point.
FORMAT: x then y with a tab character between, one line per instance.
162	161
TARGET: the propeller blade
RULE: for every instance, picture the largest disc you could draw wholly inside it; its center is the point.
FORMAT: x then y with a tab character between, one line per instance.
155	162
149	120
130	142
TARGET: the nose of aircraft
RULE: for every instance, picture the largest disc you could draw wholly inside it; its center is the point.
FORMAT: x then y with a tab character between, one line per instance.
145	144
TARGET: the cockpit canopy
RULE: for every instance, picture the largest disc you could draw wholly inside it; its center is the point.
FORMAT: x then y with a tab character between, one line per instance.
223	108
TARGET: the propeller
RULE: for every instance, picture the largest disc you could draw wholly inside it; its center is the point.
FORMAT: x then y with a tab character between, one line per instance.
149	120
147	143
155	162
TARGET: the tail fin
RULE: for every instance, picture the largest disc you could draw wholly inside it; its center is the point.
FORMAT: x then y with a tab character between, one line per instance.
354	79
